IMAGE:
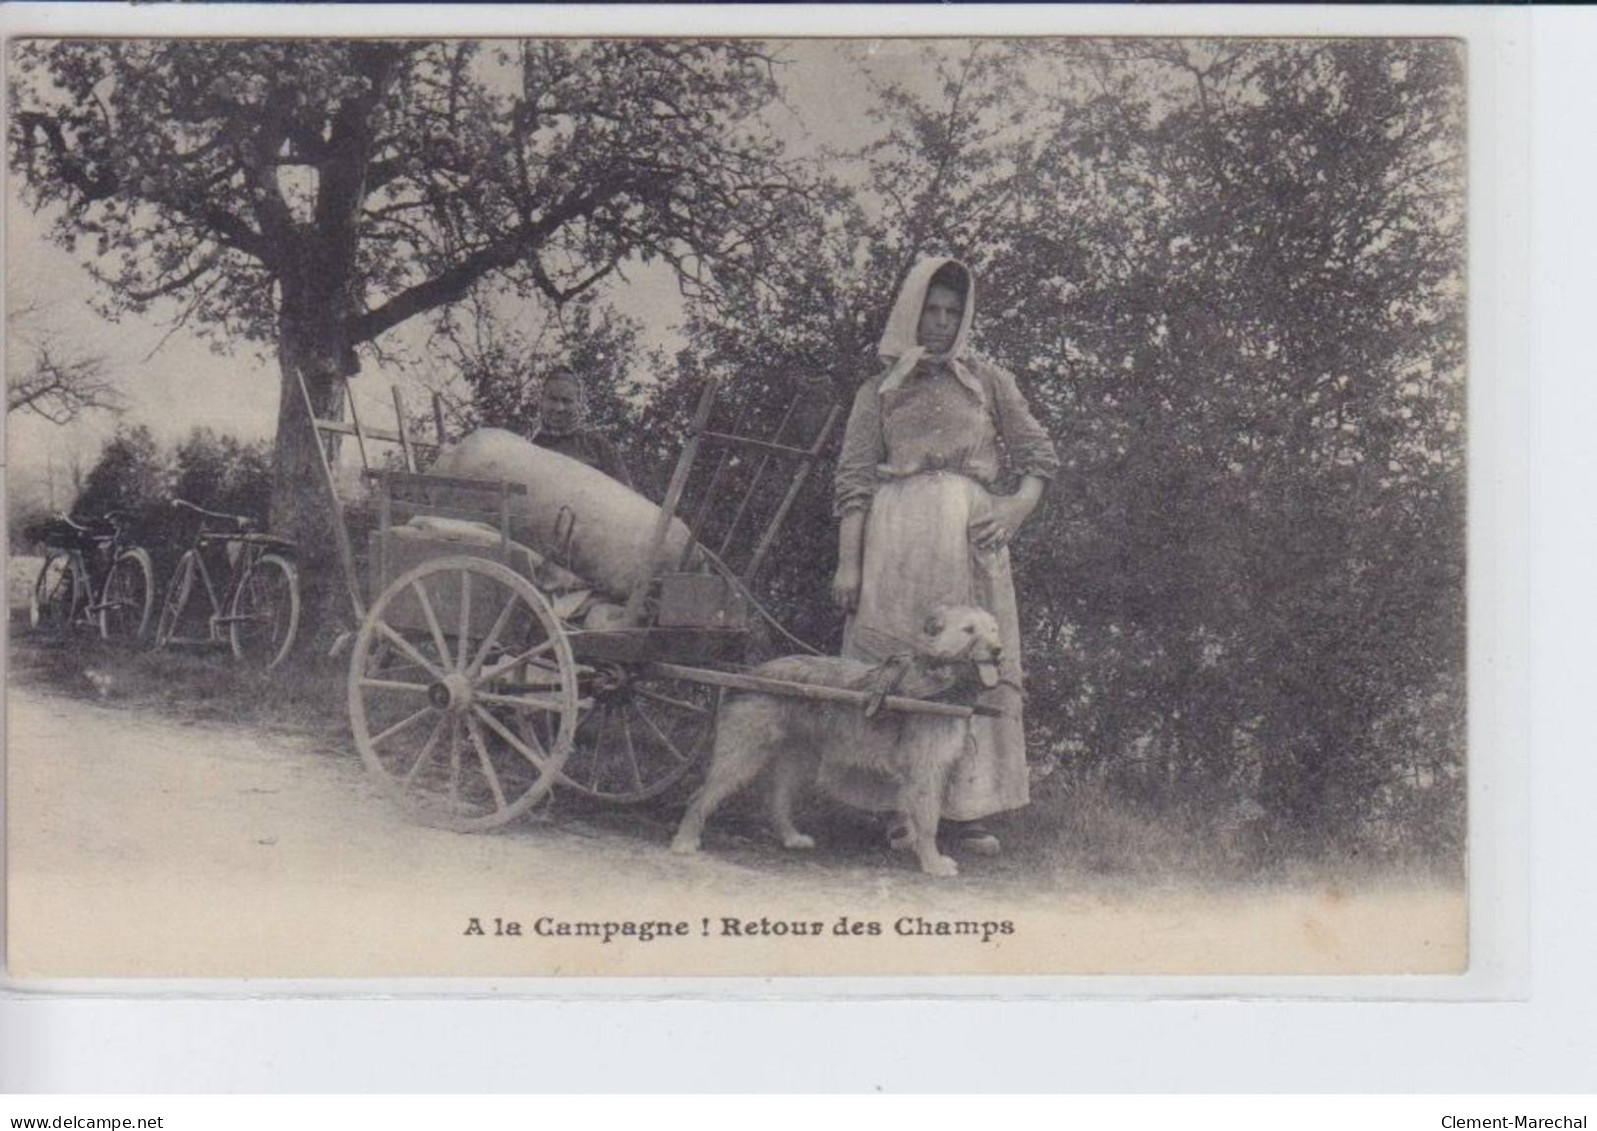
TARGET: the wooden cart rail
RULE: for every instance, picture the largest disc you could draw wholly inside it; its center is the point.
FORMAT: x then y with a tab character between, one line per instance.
478	500
325	430
740	681
412	479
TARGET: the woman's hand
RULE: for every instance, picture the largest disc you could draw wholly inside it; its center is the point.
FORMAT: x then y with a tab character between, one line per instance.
850	573
846	586
995	530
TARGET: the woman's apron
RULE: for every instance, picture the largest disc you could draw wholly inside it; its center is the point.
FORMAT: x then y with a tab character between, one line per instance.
918	556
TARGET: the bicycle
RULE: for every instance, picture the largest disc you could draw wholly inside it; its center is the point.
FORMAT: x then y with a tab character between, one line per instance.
261	595
93	575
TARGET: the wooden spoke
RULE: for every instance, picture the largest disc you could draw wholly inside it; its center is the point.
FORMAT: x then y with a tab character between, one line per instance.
385	663
400	670
658	733
512	662
432	621
486	762
426	752
493	635
409	650
539	748
632	754
598	745
465	617
454	761
679	704
547	704
379	739
393	685
538	760
540	734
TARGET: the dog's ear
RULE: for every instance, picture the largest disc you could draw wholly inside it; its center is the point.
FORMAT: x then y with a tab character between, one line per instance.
934	623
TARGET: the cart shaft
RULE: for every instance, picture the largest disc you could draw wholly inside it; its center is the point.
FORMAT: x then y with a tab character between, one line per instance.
740	681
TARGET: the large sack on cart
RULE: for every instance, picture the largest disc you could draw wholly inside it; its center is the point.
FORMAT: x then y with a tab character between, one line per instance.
573	514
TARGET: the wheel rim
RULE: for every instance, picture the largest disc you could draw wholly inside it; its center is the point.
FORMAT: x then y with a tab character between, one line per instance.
265	613
640	736
128	598
55	594
463	693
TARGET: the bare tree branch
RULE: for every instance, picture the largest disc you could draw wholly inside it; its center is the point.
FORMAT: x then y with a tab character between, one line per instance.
61	390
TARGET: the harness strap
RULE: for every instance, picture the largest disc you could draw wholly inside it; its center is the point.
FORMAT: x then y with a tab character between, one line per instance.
886	680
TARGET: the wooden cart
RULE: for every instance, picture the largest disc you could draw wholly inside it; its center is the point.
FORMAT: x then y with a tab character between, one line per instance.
484	675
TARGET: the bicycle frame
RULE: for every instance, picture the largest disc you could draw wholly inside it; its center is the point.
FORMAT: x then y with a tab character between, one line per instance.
237	570
91	558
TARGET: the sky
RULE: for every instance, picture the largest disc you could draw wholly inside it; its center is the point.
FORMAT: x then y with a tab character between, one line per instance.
172	380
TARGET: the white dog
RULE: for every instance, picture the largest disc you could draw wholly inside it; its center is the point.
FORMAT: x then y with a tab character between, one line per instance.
913	751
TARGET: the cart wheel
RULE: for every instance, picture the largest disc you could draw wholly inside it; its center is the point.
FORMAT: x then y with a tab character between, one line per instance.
58	593
129	596
463	693
640	737
265	613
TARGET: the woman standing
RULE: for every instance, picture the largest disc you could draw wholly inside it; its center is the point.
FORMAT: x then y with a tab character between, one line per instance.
919	526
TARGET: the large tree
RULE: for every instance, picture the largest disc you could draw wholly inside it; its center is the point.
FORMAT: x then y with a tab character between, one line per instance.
315	195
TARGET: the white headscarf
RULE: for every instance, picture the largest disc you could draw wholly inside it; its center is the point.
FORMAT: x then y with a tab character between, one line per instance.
899	340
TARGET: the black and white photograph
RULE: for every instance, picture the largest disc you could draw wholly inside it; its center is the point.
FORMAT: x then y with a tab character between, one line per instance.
688	507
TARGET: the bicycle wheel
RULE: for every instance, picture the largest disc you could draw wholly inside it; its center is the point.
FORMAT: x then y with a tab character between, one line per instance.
129	596
265	612
57	593
176	623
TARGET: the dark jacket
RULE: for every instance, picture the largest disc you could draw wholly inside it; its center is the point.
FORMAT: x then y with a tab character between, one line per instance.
592	448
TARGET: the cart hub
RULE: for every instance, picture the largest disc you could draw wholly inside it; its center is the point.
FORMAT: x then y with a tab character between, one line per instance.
452	693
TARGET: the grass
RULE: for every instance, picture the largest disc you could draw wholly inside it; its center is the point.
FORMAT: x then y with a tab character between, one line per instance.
305	695
1085	828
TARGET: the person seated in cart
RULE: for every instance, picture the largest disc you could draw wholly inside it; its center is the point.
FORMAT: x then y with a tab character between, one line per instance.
561	427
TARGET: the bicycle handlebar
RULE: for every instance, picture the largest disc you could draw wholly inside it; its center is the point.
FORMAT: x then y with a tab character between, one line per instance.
93	526
243	522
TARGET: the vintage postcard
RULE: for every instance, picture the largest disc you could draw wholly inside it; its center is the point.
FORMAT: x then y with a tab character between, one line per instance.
687	507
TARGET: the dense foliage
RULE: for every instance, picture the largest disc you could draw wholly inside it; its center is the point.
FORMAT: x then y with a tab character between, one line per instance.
139	476
1230	280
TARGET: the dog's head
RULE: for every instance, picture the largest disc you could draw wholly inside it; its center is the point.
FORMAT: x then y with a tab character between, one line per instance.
957	634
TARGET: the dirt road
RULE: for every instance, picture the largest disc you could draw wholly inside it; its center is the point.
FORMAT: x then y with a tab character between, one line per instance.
140	845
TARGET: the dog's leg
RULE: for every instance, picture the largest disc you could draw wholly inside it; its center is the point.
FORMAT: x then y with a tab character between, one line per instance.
921	802
716	789
741	752
794	769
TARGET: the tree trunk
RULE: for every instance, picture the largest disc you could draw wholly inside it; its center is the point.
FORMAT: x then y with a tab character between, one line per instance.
301	508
